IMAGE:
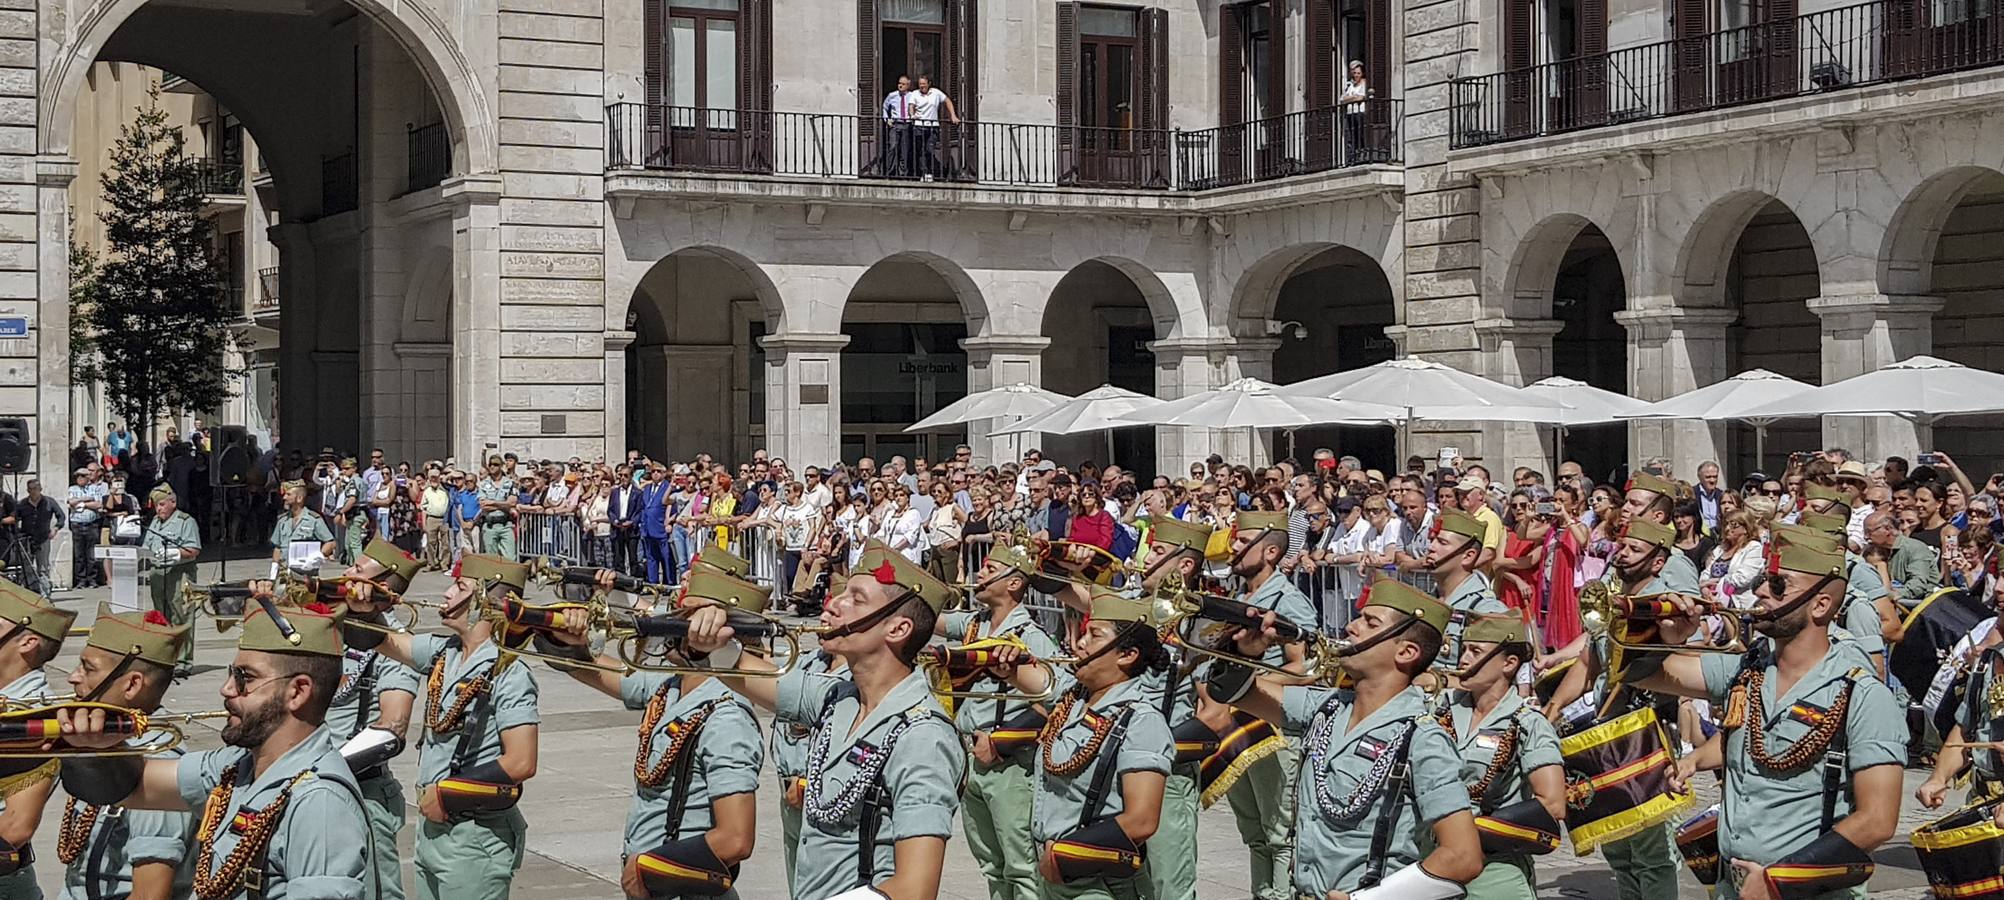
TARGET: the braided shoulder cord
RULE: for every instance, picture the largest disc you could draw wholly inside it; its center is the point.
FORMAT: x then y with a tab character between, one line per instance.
75	833
1055	725
1504	757
1353	807
836	810
679	736
1804	751
228	880
448	721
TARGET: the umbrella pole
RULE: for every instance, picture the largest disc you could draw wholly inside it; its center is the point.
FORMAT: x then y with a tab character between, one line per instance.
1760	446
1109	447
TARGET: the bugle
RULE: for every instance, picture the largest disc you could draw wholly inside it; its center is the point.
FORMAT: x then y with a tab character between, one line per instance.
1177	609
1631	622
1081	564
552	574
28	733
630	635
517	622
961	664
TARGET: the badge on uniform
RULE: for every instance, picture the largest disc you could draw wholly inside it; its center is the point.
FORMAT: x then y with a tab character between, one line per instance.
243	821
1808	714
1371	748
1488	739
862	753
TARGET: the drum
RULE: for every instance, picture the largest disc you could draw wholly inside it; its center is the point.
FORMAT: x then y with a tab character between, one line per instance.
1963	853
1618	779
1698	841
1931	632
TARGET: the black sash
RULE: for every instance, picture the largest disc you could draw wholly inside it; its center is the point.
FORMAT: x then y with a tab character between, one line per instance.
1105	767
1388	815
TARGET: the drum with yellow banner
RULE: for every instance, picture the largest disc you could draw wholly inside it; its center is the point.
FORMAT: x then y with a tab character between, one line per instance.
1698	843
1618	779
1963	853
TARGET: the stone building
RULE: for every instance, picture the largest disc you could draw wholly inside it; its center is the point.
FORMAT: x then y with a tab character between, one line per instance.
575	226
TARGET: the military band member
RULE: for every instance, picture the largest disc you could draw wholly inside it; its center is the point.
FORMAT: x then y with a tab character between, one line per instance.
1978	720
1815	744
298	524
172	541
1870	615
31	633
377	695
884	765
281	814
1654	498
478	745
789	762
694	814
1452	552
112	853
1509	755
1379	778
999	786
1262	798
1102	757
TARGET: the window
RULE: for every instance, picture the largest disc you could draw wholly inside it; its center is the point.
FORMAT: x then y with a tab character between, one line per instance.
914	38
1258	71
1107	41
703	63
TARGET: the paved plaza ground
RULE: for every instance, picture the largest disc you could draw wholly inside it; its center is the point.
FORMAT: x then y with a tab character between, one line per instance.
576	805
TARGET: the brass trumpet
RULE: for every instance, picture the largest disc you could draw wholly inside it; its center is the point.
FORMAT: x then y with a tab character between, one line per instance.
950	664
1178	609
1630	622
551	574
26	733
630	634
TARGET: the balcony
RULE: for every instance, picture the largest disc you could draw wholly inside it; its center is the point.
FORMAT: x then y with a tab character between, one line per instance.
996	154
429	156
220	177
267	293
1821	52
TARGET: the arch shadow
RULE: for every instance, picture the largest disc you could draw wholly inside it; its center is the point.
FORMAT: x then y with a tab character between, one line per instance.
1707	250
973	305
1906	260
1257	292
618	308
1529	284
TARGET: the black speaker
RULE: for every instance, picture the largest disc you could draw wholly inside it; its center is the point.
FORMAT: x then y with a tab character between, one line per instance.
15	454
229	456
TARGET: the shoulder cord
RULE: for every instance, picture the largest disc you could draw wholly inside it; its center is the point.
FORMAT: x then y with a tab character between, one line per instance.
446	721
1388	815
834	811
1803	751
227	880
75	831
680	733
1504	758
1055	724
1352	808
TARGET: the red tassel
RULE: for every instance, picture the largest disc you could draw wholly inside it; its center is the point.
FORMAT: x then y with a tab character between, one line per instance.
153	617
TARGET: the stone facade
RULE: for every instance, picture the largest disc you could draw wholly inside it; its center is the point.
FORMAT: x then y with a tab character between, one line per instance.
557	294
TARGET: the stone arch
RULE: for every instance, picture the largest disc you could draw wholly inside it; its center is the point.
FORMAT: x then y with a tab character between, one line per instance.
1707	250
1257	291
1906	261
619	304
1535	262
416	27
973	305
1169	320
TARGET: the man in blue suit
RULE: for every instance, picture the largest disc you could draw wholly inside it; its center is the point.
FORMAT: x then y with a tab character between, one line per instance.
654	526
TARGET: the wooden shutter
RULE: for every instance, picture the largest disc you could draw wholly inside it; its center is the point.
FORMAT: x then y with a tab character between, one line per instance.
1319	54
1693	52
1231	64
1778	39
654	31
1378	46
870	133
755	125
1277	81
1903	40
963	37
1066	163
1152	144
1519	55
1589	71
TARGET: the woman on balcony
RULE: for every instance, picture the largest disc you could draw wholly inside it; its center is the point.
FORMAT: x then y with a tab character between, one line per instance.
1356	97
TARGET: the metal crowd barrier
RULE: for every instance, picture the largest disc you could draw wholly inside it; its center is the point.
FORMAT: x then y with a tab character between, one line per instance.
552	535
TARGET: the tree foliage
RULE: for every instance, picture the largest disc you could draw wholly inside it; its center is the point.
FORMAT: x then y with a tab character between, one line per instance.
159	323
83	287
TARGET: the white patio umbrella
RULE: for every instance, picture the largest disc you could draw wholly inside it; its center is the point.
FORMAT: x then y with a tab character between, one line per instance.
1736	399
1094	410
1429	391
1253	404
1010	401
1584	405
1920	389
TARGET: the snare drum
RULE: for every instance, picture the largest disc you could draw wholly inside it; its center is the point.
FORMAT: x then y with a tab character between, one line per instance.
1618	780
1963	853
1698	841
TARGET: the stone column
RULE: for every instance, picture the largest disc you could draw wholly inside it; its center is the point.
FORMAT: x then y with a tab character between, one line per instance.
51	412
616	343
992	361
1185	366
1516	352
476	313
1672	350
1863	333
298	424
803	397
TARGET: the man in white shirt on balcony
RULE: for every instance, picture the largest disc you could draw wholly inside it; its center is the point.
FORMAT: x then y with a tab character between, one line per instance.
927	103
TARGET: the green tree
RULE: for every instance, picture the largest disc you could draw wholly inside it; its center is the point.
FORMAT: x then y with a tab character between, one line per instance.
158	321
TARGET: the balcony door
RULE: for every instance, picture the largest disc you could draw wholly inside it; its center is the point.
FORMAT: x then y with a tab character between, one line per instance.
1113	104
1252	91
1555	57
1734	51
709	84
937	39
1341	32
1928	36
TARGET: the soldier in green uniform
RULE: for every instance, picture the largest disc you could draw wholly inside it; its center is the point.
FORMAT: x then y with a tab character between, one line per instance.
351	511
496	493
694	815
1452	551
1262	798
173	540
31	633
789	762
479	741
884	765
1975	741
128	661
1378	770
1654	498
281	814
1103	756
298	524
372	715
998	732
1869	610
1509	755
1815	744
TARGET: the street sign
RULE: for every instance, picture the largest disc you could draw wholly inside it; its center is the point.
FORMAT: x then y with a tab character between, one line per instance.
13	326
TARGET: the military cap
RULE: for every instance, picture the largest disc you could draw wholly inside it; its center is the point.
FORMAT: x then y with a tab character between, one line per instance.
1256	520
1826	523
1655	484
163	491
317	626
147	636
1507	628
705	585
892	568
289	486
723	561
394	559
347	461
1652	532
1012	556
1115	605
489	569
1827	494
1808	553
1176	532
1405	598
1461	523
27	609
